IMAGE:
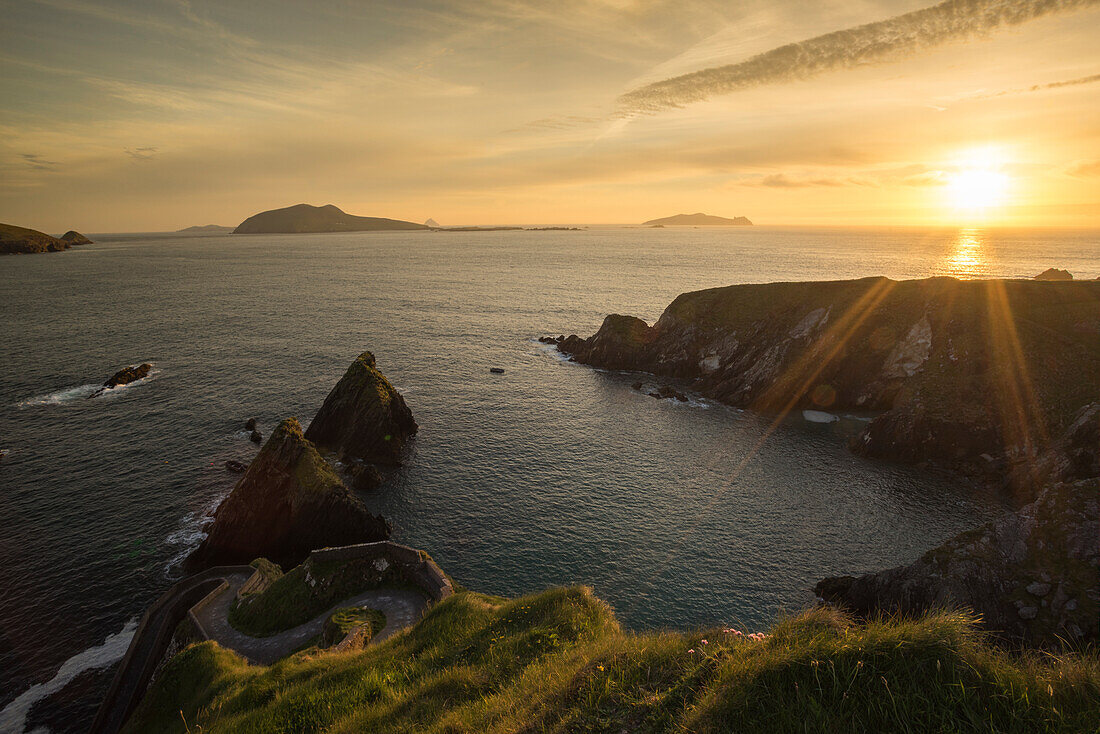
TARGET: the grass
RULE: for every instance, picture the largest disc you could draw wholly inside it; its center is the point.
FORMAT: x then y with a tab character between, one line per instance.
558	661
306	591
345	619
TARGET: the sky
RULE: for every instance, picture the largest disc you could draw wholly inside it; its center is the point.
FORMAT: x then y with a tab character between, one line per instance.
153	115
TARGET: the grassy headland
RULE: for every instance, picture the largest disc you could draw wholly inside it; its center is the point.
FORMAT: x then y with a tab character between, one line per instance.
559	661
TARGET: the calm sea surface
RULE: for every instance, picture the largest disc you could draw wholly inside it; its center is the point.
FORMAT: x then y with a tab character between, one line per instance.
551	473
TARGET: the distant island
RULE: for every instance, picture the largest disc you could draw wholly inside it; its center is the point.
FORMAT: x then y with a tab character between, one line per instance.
21	240
302	218
207	228
697	219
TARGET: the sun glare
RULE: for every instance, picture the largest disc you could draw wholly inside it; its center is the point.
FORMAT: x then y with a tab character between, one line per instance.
977	184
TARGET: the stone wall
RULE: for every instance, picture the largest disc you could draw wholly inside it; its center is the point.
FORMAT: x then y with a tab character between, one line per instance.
417	565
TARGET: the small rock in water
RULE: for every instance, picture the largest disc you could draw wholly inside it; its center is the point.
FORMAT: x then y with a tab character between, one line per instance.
497	370
256	437
235	466
250	424
636	386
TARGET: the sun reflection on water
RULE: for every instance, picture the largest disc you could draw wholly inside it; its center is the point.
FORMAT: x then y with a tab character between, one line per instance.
967	258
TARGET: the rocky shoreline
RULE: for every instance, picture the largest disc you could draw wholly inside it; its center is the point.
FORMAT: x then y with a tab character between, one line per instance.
996	380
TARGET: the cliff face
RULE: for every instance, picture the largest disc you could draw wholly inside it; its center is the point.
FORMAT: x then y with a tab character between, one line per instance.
306	218
364	418
288	503
20	240
984	376
1034	576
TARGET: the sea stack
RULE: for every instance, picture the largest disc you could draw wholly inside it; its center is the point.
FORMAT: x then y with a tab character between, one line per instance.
288	503
364	419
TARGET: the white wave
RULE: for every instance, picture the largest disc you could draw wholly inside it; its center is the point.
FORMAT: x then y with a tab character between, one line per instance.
61	396
13	719
82	392
819	416
190	533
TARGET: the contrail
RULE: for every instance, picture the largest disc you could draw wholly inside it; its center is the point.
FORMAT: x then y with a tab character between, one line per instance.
872	43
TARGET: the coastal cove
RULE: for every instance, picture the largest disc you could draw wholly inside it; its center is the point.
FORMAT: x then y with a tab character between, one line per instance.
561	468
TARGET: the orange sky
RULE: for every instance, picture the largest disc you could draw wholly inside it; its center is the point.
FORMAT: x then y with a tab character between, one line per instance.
133	116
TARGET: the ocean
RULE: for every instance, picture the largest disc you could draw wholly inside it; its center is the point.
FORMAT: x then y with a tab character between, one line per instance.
550	473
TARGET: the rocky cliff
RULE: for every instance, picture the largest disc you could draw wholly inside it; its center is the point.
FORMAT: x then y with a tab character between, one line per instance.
288	503
307	218
982	376
20	240
364	418
1033	576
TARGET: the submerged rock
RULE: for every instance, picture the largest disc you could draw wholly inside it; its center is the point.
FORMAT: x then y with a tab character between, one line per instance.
364	418
1045	551
235	466
288	503
256	437
250	424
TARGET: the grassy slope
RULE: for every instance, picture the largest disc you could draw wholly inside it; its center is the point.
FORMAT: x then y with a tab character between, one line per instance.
558	661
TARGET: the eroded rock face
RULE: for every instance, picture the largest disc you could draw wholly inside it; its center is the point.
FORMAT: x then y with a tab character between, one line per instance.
364	418
1034	575
288	503
972	375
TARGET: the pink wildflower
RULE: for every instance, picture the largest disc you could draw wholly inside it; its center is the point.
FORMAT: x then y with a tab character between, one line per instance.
703	641
692	650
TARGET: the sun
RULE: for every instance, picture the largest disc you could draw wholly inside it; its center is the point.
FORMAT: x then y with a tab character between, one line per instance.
977	183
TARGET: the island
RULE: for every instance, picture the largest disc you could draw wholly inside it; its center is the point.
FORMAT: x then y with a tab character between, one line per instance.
208	228
698	219
21	241
75	238
305	218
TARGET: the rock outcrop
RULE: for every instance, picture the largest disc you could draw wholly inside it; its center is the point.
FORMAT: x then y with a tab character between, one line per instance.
75	238
1054	274
124	376
979	376
1033	576
364	419
20	240
306	218
288	503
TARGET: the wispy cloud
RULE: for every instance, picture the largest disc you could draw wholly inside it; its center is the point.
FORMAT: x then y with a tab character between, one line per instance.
884	41
1091	79
1085	169
37	162
142	154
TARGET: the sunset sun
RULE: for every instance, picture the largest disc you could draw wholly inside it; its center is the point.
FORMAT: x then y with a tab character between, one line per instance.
978	184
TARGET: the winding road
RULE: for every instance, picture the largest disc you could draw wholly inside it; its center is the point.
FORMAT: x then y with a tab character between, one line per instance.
402	609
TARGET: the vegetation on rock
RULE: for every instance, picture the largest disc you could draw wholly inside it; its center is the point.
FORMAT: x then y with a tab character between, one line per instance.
364	418
20	240
288	503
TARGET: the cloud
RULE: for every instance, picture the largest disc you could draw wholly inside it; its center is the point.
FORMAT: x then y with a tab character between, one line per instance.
37	162
142	154
879	42
1085	169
